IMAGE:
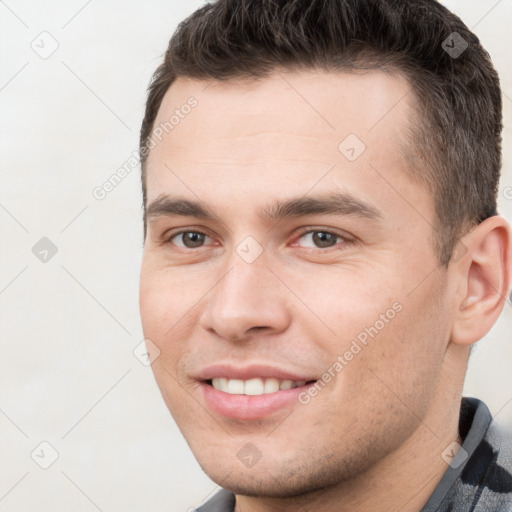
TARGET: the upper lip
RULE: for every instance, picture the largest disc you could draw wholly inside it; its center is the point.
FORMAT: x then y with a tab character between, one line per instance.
265	371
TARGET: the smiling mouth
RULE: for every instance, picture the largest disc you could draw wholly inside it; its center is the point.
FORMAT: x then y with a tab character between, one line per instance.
256	386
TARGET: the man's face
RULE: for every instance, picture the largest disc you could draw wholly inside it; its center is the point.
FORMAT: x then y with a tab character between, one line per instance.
352	291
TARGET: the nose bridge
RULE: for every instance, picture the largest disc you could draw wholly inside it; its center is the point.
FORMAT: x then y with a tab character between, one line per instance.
245	297
243	286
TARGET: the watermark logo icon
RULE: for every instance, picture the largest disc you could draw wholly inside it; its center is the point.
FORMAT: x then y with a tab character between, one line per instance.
45	45
351	147
44	250
146	352
454	45
44	455
249	455
249	249
454	455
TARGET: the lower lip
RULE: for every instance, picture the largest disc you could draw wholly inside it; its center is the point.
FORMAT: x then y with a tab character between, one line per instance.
250	407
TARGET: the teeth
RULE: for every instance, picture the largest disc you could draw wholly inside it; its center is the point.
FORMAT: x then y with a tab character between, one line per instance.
286	384
235	387
255	386
271	385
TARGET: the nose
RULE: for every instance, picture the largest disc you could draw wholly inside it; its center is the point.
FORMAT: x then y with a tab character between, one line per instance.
247	299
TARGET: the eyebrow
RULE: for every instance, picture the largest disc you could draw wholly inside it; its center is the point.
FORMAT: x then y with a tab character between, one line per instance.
336	203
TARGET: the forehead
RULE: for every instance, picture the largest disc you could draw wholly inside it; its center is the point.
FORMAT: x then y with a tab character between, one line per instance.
284	132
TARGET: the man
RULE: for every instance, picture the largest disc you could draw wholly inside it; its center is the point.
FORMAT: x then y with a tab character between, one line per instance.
322	249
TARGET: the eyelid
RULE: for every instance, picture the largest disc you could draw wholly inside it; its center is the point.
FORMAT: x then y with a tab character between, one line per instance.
308	229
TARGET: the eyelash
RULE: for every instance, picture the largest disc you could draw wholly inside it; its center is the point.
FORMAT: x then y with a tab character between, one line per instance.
304	231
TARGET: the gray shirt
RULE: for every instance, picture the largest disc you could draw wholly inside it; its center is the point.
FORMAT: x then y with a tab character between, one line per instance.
480	481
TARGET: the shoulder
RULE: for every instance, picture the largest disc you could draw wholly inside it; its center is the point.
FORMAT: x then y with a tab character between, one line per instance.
487	476
222	501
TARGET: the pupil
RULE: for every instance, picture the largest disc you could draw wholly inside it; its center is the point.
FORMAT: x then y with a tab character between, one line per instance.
323	239
192	239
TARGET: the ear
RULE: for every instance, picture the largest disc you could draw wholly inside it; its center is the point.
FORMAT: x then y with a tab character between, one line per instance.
485	279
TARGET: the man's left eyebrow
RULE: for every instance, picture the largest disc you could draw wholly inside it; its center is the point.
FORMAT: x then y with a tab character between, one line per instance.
337	203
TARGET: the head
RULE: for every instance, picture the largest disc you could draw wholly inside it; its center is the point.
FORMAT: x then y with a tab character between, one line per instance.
324	209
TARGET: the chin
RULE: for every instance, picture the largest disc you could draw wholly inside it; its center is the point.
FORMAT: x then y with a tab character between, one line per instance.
280	478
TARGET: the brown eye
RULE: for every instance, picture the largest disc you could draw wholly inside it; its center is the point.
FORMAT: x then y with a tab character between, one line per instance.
189	239
321	239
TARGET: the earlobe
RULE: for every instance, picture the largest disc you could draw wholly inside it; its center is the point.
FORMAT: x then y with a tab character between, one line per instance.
486	270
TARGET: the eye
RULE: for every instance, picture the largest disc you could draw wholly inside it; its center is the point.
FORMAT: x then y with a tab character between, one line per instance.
188	239
311	239
322	239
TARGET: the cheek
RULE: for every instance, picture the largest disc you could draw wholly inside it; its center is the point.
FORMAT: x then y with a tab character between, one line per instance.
165	318
376	325
166	298
343	302
164	321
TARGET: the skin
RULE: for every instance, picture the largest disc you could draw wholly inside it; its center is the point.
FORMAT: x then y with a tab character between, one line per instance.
372	438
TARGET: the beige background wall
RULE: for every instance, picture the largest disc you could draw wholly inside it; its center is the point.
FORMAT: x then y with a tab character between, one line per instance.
68	327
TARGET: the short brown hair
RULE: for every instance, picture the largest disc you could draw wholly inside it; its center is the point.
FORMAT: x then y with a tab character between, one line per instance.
455	147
